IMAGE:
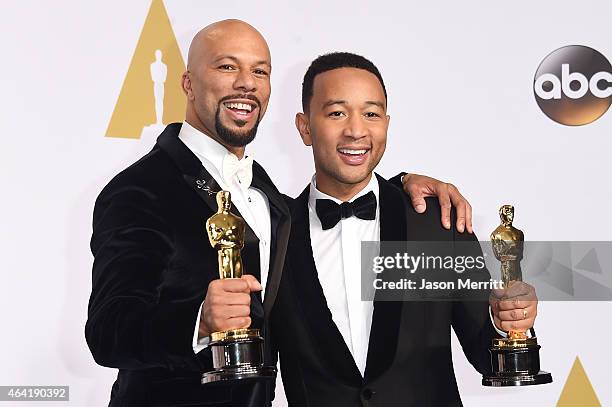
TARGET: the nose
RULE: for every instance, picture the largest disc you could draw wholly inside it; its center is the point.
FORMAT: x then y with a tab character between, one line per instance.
355	127
244	81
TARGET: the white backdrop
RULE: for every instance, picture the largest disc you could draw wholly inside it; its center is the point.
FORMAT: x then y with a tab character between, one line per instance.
459	77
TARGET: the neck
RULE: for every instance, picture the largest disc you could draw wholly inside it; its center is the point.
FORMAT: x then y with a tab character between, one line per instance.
237	151
340	190
195	122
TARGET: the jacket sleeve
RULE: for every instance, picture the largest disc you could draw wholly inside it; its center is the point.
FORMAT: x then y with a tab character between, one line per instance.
470	317
127	326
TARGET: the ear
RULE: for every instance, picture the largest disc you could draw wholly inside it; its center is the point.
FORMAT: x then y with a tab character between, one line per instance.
303	126
186	85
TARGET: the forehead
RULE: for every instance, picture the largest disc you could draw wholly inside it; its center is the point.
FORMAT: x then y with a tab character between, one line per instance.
242	44
350	84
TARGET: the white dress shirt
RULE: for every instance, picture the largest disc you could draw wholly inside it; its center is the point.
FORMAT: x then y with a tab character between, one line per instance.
337	256
251	202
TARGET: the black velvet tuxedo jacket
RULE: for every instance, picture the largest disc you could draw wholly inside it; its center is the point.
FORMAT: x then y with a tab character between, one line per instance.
409	354
153	263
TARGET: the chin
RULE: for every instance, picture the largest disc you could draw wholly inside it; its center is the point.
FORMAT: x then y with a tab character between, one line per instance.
352	177
240	132
235	128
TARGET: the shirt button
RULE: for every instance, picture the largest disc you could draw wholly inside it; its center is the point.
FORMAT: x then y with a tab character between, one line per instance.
367	394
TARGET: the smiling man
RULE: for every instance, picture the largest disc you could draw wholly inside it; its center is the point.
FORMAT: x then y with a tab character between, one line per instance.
156	293
228	83
335	348
344	161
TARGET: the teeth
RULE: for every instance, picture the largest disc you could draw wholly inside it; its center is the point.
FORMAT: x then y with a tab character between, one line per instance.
352	152
239	106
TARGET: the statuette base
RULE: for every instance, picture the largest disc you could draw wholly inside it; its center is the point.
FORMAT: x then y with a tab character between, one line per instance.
515	362
237	355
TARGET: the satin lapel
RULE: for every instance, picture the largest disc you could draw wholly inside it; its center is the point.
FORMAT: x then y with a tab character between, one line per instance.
206	187
193	172
329	342
387	314
280	220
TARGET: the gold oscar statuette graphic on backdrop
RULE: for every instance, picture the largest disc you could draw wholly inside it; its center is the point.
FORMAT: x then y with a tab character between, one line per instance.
237	353
515	360
151	95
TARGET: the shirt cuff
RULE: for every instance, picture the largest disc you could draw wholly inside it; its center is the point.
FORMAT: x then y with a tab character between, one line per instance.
199	344
502	333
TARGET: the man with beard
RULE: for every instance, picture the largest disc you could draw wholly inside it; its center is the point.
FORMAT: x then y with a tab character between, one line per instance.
156	293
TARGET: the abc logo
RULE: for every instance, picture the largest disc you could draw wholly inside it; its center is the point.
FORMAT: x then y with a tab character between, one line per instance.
573	85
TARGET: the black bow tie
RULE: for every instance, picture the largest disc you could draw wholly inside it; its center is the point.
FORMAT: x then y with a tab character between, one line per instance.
330	213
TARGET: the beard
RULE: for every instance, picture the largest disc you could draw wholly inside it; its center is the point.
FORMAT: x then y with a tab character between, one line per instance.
232	137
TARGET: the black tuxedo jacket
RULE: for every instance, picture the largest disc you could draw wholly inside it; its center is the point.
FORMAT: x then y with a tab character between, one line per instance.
409	354
153	263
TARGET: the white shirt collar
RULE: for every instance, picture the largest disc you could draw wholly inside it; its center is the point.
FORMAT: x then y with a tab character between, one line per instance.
204	146
315	194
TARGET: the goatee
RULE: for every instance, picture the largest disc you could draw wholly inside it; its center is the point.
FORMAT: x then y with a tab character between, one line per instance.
232	137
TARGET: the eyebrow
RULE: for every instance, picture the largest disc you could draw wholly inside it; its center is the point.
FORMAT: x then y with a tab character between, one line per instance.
261	62
344	102
334	102
375	103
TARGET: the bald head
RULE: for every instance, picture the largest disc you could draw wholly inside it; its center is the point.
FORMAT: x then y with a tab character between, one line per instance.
209	38
228	82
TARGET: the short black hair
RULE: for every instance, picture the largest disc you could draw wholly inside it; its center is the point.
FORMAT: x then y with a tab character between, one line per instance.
335	60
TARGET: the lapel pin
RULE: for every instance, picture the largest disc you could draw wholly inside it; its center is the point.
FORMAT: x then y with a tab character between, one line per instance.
201	184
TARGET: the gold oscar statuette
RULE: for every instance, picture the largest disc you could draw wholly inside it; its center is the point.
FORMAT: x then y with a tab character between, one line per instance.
515	360
237	353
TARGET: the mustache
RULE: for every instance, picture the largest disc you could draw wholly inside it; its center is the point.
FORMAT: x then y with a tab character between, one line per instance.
241	96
